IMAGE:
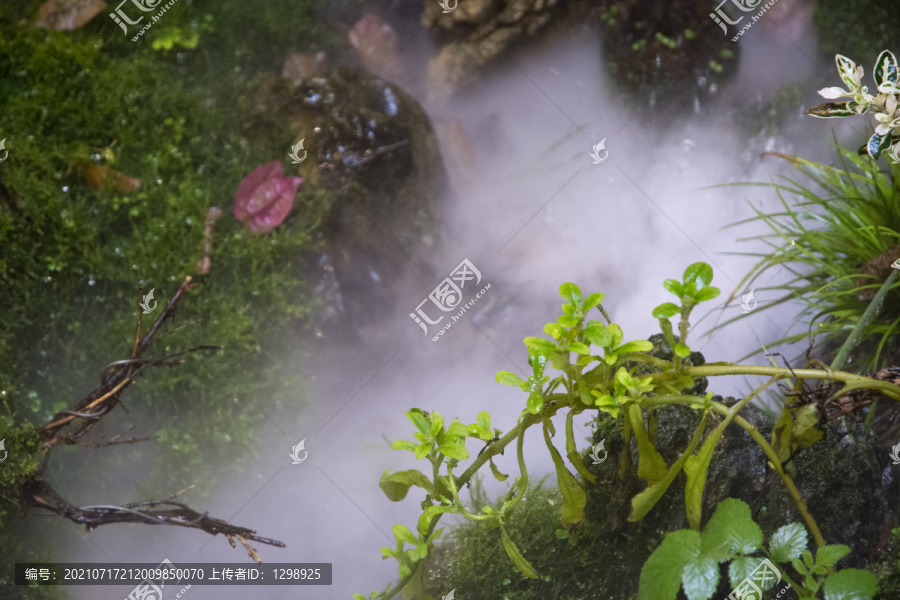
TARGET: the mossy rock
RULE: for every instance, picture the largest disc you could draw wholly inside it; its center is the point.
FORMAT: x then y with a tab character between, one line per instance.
858	29
665	52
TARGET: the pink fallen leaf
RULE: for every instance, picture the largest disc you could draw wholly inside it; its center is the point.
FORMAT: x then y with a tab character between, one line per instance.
265	197
66	15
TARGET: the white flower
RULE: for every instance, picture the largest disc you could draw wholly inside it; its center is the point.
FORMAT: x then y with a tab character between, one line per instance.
895	153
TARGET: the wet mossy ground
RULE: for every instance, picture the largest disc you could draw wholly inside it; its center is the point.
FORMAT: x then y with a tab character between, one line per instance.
73	257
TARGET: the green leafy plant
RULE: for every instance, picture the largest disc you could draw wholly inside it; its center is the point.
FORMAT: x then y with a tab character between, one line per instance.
603	376
837	241
691	560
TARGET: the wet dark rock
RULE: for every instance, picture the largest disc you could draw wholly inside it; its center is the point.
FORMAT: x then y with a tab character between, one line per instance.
845	480
373	148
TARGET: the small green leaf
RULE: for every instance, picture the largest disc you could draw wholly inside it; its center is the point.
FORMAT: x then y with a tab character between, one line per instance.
403	445
635	346
396	485
417	416
388	552
592	301
457	451
666	310
571	293
674	286
456	431
661	575
403	534
788	542
507	378
851	584
541	346
828	556
699	273
553	330
599	335
422	450
682	350
429	514
707	293
580	348
497	474
484	419
568	321
535	402
437	423
513	552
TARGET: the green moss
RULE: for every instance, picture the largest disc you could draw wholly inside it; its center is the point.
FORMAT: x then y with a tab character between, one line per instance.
74	257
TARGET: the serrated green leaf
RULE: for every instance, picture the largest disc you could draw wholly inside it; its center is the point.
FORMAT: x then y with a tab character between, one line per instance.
707	293
571	293
593	300
731	530
457	451
418	553
666	310
851	584
828	556
788	542
422	450
741	567
699	273
513	552
661	575
700	578
507	378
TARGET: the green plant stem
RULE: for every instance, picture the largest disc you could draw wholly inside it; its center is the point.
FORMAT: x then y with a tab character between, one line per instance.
714	370
762	442
867	317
